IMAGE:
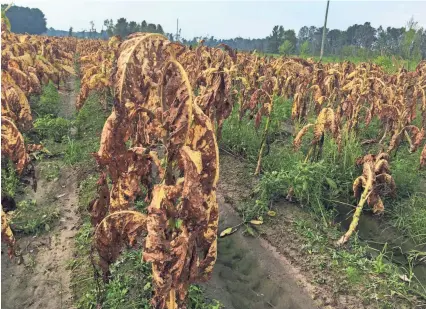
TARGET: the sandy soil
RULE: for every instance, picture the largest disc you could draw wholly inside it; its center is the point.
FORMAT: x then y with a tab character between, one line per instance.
41	279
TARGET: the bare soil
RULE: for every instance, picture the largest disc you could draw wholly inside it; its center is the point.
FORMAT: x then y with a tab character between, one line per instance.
249	272
41	278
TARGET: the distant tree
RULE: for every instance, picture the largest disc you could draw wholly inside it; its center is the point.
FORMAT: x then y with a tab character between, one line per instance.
121	28
133	27
274	40
286	48
290	35
152	28
411	43
70	32
334	41
281	35
25	20
144	26
303	34
314	35
160	29
382	41
109	27
304	48
92	29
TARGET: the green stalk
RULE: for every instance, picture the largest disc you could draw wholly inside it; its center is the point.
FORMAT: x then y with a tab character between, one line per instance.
355	219
262	146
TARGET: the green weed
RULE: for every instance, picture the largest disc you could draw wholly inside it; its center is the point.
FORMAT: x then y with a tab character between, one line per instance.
49	127
30	218
48	103
49	170
9	180
88	123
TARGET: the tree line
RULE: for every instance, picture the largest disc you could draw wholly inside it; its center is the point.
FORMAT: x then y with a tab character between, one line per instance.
359	40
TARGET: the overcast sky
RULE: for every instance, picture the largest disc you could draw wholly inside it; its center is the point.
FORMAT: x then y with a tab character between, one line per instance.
228	19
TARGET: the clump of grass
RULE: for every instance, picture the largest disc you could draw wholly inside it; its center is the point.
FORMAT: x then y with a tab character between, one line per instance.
48	103
409	216
49	127
88	123
314	183
356	269
49	170
242	138
30	218
9	180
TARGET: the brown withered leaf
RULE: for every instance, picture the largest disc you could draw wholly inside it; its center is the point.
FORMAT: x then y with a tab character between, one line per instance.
98	207
12	144
7	234
113	232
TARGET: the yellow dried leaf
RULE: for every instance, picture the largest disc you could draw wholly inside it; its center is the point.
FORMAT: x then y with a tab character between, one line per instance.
227	231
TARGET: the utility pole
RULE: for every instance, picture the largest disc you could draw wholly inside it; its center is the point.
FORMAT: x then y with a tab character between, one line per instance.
177	30
324	30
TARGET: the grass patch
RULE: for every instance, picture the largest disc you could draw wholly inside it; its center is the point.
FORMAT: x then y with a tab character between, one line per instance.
48	103
243	139
9	180
49	127
88	124
30	218
314	184
50	170
409	216
359	269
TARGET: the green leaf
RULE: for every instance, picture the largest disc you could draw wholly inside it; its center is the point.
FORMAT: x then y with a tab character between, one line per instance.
331	183
147	286
249	231
178	223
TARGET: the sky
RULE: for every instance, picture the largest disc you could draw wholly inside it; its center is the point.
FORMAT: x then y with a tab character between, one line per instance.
228	19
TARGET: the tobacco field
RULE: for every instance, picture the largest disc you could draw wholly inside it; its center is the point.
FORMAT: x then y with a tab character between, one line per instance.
143	173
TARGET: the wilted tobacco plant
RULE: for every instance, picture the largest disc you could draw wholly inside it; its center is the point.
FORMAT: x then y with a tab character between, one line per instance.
6	234
96	69
266	96
374	183
27	63
155	110
326	121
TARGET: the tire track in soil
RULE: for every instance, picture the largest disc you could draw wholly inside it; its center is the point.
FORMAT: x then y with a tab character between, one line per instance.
249	273
42	278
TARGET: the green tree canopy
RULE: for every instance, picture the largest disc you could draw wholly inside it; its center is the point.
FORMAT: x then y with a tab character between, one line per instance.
286	48
304	48
25	20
